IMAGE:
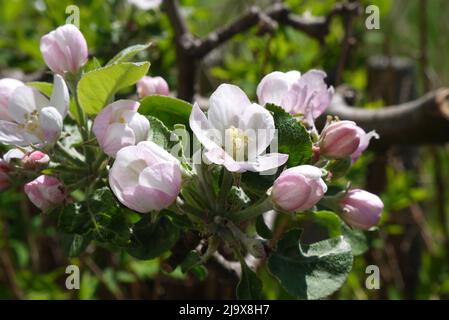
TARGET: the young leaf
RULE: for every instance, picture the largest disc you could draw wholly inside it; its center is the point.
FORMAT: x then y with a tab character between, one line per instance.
169	110
128	53
163	137
312	272
356	238
293	138
97	88
149	240
44	87
330	221
250	286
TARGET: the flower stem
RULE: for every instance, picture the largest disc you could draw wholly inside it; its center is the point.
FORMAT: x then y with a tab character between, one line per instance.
252	212
226	186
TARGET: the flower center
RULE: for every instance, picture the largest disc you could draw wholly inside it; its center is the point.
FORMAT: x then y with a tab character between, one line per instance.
236	143
32	125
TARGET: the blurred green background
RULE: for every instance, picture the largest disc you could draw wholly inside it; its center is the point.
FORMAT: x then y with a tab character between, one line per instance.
411	247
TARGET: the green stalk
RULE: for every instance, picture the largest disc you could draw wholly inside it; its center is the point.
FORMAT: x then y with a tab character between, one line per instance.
226	185
252	212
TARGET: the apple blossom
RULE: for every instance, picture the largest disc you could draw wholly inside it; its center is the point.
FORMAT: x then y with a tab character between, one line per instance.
152	85
145	177
119	125
27	159
361	209
236	132
7	87
146	4
364	142
64	49
305	94
4	177
45	192
298	188
339	139
35	119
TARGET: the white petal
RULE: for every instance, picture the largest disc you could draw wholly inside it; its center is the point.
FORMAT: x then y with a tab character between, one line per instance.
141	126
266	162
51	122
204	131
13	154
60	96
10	133
226	105
272	88
117	136
25	100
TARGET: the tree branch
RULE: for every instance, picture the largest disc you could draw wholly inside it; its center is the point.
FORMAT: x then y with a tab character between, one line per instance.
422	121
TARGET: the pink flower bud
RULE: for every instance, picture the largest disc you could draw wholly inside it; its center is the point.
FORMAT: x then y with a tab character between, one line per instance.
7	87
145	177
119	125
339	139
361	209
35	160
64	49
45	192
298	188
148	86
4	178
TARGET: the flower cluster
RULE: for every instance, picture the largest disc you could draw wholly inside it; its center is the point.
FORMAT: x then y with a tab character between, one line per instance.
64	148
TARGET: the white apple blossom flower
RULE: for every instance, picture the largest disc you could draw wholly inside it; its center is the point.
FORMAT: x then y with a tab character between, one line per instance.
236	132
35	120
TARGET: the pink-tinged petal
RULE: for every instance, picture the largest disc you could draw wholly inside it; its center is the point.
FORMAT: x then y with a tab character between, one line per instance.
272	88
64	49
308	171
119	107
51	123
141	127
7	87
101	124
148	86
203	129
226	105
152	153
60	96
365	139
290	192
24	101
117	137
163	176
318	94
143	199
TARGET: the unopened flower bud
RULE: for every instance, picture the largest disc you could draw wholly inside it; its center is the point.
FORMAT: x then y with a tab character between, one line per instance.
45	192
148	86
339	139
361	209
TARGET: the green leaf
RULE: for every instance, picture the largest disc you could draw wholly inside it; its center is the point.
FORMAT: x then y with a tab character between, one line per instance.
262	229
97	88
150	240
356	238
169	110
293	138
249	286
312	272
44	87
330	221
163	137
74	218
74	244
128	53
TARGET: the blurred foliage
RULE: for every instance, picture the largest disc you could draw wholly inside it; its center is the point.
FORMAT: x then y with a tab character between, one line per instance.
31	252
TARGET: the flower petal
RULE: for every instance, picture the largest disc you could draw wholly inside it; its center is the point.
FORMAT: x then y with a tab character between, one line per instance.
118	136
60	96
51	123
226	105
25	100
203	129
